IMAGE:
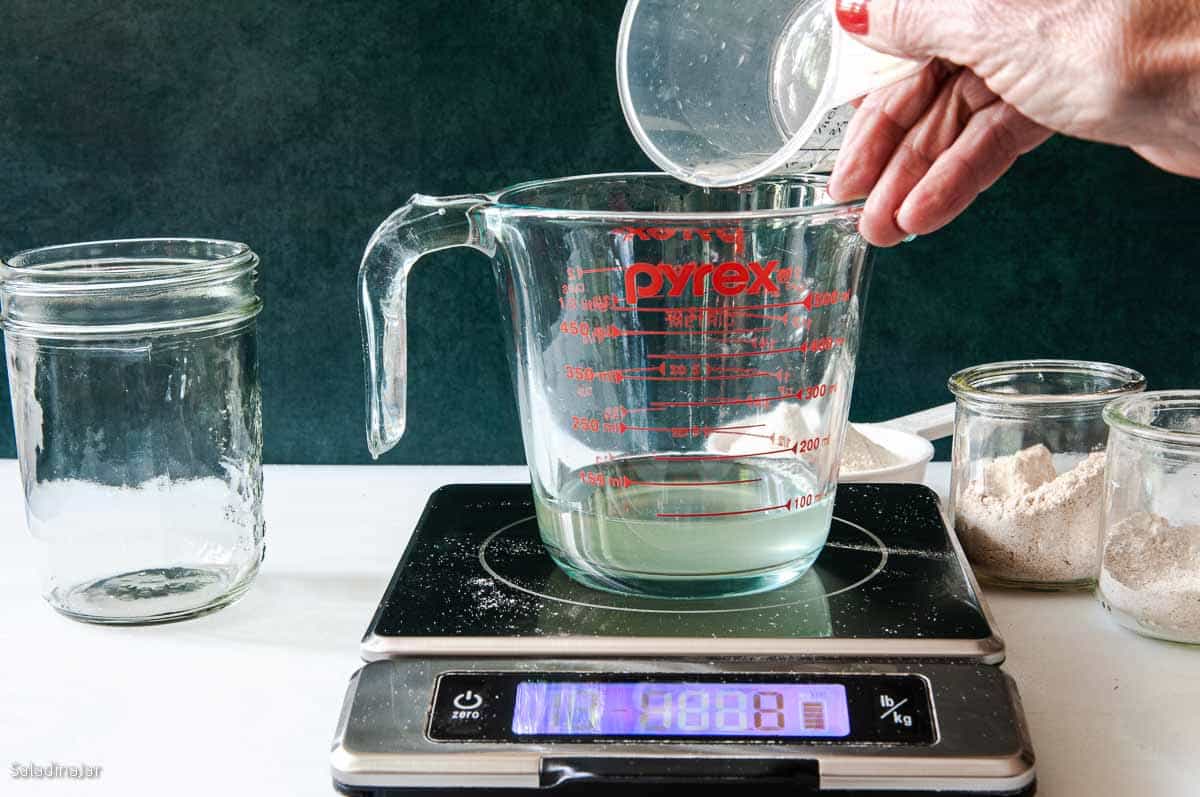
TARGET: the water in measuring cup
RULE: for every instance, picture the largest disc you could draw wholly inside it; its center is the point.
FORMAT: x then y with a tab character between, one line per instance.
669	527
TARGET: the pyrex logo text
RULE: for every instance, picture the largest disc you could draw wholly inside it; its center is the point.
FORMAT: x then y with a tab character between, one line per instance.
645	280
735	236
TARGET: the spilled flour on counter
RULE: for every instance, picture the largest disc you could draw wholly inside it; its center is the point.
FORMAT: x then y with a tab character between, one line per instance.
860	453
1151	573
1025	521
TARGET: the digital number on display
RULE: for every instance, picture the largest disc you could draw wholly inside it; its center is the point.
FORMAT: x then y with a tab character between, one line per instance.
680	709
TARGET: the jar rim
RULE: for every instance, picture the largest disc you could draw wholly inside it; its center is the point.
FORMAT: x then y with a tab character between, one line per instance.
1123	413
117	263
979	383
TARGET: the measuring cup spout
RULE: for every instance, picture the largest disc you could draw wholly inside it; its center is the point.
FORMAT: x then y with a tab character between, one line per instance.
426	224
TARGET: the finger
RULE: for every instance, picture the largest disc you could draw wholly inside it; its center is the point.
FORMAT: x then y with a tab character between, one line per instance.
917	28
989	145
877	128
943	122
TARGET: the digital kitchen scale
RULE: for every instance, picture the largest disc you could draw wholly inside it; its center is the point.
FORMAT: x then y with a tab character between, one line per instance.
874	673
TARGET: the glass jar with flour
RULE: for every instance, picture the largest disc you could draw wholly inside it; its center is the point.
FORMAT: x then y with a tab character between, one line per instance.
1150	566
1027	482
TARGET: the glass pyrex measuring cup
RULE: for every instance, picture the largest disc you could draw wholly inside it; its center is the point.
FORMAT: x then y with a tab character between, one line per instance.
724	92
653	322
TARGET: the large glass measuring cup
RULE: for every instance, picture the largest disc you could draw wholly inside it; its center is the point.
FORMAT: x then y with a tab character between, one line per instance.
684	359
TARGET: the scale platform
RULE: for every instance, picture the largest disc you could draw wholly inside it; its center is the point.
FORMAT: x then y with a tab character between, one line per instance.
876	673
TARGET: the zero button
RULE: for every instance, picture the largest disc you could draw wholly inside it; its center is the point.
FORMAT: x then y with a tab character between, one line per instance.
467	701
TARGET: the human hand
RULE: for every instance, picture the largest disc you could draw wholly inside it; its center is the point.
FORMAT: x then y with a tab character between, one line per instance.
1005	75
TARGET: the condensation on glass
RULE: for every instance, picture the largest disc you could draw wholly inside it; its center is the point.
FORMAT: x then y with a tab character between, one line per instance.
137	407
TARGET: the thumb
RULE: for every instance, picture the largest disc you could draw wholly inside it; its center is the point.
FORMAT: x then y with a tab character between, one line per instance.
914	28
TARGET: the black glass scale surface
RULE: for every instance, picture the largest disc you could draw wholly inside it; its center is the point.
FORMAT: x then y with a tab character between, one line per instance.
475	580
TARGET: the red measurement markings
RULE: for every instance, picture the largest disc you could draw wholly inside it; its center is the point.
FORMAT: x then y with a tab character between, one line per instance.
699	378
599	479
599	334
581	374
630	411
810	347
665	372
788	505
764	316
817	391
749	373
665	405
594	304
630	333
690	431
802	502
739	308
693	484
747	434
816	300
719	457
803	394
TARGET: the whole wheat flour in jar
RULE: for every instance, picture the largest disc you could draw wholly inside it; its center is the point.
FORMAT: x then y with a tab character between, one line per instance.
1151	573
1026	522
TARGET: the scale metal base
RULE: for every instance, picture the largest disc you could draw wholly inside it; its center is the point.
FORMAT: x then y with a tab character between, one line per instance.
887	633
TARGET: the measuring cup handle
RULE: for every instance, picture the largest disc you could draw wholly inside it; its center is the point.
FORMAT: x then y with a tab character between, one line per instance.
426	224
932	424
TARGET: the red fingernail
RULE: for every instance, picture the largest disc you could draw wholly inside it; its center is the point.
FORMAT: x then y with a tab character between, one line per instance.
852	15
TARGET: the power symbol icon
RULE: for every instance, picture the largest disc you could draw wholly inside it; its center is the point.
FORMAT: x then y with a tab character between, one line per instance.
468	700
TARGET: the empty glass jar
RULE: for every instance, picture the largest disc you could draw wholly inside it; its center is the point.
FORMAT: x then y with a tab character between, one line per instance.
135	392
1027	483
1150	573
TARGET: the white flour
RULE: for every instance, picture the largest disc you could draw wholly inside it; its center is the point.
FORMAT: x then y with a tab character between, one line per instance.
860	453
1026	522
1151	573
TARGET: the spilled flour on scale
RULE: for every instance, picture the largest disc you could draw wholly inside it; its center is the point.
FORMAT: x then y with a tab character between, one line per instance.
1023	520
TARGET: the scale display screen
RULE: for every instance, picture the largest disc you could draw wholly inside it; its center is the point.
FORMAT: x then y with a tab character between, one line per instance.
669	709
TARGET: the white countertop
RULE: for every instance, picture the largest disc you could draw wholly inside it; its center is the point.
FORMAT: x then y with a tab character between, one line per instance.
244	701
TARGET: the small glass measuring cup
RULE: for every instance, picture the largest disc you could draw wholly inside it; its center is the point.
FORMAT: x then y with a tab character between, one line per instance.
724	92
649	319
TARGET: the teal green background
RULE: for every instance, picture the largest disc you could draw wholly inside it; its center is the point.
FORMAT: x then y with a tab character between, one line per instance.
297	126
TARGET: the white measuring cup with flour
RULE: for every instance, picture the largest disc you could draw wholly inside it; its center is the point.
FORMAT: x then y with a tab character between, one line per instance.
724	92
895	451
